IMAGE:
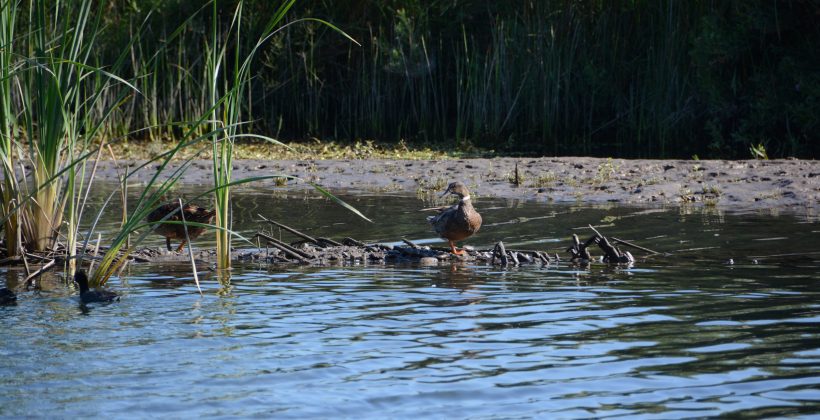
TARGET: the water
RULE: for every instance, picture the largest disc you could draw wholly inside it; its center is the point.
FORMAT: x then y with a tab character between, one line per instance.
683	335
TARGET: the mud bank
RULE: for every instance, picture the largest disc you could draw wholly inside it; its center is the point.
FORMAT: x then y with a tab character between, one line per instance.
741	185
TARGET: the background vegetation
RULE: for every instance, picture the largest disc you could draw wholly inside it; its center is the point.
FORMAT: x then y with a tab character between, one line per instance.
638	78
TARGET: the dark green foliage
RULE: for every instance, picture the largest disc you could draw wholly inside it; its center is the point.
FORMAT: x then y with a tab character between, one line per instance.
639	78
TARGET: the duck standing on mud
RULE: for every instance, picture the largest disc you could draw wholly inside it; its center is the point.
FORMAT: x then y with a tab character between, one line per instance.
170	231
458	222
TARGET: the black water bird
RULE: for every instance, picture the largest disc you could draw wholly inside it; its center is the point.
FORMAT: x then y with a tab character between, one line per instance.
89	296
7	297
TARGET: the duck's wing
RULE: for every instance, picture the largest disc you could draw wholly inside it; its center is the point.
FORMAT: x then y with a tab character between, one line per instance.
201	215
443	221
444	213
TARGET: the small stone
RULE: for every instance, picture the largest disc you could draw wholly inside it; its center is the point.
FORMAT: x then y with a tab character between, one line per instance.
428	261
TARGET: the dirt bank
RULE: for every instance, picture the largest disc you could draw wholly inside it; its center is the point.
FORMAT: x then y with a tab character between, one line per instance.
742	185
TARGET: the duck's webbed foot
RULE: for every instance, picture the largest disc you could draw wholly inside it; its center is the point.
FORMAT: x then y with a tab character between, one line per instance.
455	251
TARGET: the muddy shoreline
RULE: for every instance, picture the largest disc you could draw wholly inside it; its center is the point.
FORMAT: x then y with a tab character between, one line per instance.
736	185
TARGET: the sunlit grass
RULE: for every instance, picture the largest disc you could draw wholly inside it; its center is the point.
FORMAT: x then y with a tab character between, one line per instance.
307	151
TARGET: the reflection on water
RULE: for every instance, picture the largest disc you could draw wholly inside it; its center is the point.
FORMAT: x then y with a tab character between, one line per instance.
679	335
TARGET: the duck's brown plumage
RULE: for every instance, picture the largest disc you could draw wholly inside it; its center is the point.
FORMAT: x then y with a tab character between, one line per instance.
458	222
192	212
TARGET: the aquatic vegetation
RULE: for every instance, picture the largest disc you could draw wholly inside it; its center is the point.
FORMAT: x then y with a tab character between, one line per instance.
227	92
759	151
57	106
54	100
544	179
606	171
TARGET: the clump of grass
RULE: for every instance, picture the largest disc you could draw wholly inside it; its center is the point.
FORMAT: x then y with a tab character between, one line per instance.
10	196
60	102
544	179
609	219
773	195
606	171
391	187
318	150
516	178
759	151
436	184
685	195
571	182
430	186
711	189
651	181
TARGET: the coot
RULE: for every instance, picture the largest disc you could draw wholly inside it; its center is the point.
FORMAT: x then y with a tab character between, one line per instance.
7	297
89	296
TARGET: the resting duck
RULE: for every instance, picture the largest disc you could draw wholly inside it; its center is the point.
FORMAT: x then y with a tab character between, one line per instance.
90	296
458	222
170	231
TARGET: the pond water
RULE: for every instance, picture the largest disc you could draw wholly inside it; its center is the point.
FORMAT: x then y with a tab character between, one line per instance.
687	334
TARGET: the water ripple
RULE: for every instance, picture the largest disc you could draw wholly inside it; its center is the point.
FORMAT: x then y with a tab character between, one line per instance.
678	338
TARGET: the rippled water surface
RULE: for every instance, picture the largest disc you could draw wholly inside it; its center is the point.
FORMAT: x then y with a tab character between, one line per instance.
687	334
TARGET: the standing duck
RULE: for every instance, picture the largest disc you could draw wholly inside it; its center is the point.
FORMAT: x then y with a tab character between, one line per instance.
170	231
87	295
458	222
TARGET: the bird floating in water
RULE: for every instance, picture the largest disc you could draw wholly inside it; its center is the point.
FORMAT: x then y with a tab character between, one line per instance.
458	222
7	297
89	296
193	213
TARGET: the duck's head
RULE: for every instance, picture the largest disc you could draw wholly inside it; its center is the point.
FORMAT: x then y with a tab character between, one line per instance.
459	189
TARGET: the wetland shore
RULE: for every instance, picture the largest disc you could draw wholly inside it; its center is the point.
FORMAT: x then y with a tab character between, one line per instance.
738	185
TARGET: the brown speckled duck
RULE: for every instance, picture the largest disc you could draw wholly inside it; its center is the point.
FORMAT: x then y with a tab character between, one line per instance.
458	222
192	212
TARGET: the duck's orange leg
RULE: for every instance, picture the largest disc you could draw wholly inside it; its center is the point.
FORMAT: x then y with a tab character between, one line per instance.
181	245
453	248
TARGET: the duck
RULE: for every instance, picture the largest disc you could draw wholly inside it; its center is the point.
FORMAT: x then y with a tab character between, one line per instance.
458	222
193	213
7	297
91	296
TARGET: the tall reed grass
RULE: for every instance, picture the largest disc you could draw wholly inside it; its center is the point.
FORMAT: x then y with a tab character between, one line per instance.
227	72
640	78
70	105
53	101
10	195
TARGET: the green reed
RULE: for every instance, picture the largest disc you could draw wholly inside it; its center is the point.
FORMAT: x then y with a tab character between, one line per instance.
550	77
228	83
10	195
51	106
